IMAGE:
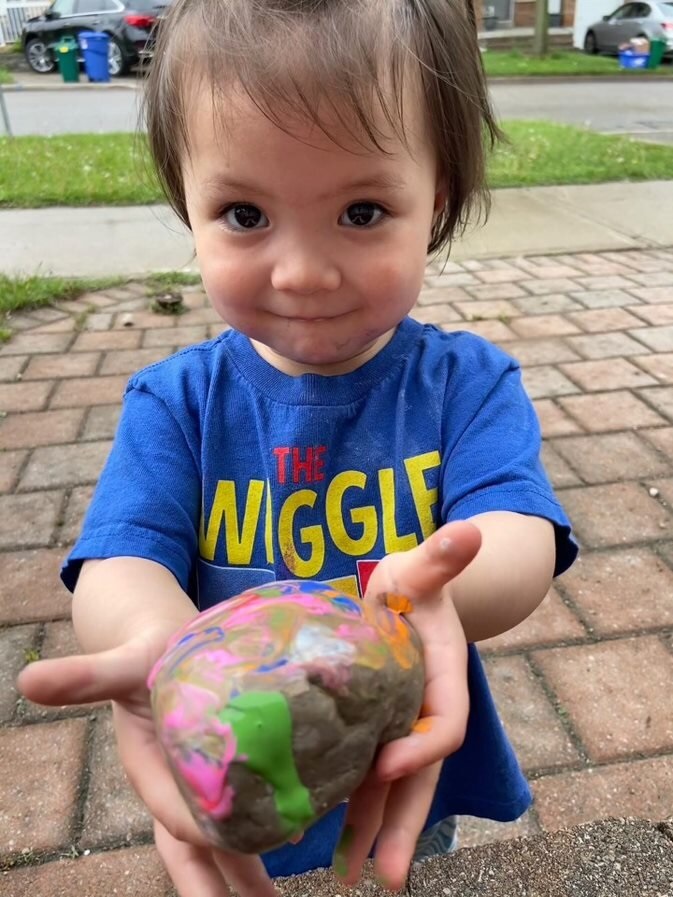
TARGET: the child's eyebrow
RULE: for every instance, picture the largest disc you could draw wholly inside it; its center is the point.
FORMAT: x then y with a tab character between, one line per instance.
380	181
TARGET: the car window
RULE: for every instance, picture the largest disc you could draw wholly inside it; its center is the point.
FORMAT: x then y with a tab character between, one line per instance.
86	7
624	12
642	11
147	5
62	7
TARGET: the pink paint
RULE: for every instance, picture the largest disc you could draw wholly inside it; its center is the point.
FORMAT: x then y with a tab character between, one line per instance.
333	678
208	782
355	631
244	611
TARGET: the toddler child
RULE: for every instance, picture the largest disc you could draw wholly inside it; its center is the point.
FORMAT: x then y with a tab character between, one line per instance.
319	150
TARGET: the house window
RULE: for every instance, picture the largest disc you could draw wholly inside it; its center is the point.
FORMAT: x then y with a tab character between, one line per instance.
499	9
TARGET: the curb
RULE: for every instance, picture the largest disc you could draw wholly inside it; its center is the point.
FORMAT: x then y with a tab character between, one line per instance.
504	80
579	79
62	85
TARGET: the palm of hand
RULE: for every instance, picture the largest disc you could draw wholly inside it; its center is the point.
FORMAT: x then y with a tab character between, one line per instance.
121	675
391	806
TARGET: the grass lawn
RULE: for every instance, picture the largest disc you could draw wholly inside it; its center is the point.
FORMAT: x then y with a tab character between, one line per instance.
543	153
108	169
75	170
35	291
6	76
514	63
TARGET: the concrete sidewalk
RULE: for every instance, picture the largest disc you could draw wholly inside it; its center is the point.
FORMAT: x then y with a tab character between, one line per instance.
136	239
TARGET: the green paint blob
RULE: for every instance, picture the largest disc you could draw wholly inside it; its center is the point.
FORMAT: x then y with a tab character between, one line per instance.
262	724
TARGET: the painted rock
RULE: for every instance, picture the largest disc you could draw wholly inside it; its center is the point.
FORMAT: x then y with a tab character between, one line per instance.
270	707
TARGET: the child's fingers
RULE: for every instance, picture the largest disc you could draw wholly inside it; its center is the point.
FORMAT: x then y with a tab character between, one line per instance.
206	872
361	826
406	811
246	874
80	679
191	868
150	776
423	570
441	729
437	739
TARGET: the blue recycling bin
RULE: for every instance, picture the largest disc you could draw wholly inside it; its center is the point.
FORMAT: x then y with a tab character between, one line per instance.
629	59
95	46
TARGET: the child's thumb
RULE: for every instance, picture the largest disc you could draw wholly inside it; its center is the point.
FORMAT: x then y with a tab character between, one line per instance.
80	679
424	570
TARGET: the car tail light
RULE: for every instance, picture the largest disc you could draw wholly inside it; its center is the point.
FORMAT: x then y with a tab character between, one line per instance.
139	21
667	26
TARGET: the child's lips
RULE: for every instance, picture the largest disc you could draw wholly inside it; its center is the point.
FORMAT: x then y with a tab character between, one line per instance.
313	319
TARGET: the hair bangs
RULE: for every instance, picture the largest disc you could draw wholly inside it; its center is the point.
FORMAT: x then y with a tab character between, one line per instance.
350	63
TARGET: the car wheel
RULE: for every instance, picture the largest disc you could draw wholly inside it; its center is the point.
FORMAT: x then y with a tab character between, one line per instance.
117	59
38	57
590	45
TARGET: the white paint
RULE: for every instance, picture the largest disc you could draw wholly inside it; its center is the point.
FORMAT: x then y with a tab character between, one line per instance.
589	11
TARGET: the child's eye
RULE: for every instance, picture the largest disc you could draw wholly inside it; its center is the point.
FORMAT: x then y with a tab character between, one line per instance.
362	214
244	216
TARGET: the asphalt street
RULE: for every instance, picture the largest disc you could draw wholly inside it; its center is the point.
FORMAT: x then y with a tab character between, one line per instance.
643	109
67	111
638	108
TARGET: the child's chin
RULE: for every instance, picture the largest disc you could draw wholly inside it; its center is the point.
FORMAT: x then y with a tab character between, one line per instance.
318	355
313	355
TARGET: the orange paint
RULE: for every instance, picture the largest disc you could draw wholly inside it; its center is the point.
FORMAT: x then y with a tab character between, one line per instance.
396	633
399	604
422	726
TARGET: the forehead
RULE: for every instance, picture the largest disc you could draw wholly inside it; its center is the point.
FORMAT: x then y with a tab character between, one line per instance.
229	130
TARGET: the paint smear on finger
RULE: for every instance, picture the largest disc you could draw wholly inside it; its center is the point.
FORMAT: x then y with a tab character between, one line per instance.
422	726
399	604
340	858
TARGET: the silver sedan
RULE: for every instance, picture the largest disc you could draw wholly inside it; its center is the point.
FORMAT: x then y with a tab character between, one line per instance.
652	20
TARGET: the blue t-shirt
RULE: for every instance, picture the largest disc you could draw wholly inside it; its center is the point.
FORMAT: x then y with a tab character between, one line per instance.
232	474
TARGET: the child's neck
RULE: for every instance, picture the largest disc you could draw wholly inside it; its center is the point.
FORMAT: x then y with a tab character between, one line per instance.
348	365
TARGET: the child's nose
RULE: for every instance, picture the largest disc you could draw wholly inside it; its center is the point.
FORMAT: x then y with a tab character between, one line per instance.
303	272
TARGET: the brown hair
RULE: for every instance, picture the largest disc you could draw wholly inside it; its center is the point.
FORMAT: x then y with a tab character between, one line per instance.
292	56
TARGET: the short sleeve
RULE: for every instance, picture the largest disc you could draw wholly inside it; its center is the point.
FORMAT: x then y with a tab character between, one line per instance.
147	501
493	439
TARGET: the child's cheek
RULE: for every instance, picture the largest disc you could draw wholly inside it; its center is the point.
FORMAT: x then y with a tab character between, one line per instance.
230	284
396	281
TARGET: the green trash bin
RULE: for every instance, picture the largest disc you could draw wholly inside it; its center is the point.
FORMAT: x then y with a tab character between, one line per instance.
66	52
657	49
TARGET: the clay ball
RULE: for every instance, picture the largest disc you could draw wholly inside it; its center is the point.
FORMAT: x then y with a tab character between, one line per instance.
270	707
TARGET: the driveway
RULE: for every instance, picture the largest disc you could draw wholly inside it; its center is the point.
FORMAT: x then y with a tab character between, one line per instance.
580	685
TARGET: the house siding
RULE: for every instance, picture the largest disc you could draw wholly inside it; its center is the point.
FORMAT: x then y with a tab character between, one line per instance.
524	13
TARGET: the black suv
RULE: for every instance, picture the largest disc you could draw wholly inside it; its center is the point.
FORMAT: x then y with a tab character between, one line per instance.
129	23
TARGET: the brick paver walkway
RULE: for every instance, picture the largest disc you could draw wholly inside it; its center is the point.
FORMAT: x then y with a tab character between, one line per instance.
584	686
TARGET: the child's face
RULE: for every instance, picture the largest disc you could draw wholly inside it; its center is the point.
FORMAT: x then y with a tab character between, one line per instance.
313	251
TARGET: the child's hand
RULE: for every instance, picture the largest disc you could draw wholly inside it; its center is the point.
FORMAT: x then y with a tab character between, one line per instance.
391	806
120	675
